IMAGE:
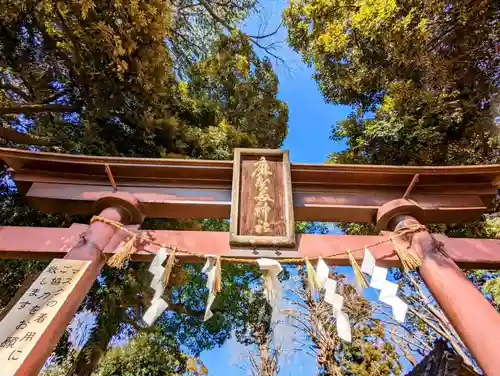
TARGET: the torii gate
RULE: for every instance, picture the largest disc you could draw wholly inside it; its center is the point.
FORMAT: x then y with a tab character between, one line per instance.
262	207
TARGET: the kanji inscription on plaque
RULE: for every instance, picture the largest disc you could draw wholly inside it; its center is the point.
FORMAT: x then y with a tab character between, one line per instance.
261	206
24	324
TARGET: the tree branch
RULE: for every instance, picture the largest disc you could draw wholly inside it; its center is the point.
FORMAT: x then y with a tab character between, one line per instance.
179	308
215	16
412	334
37	108
180	9
443	334
267	49
55	96
16	90
12	135
252	38
443	323
267	35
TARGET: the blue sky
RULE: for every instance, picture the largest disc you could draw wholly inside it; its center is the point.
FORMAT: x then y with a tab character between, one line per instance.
310	118
308	141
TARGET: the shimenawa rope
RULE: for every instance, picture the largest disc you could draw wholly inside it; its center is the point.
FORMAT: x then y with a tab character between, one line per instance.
126	251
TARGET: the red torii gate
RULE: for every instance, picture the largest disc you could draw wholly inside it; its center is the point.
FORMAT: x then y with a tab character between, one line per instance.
135	188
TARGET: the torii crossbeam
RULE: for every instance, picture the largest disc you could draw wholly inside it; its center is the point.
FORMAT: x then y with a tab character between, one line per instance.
262	194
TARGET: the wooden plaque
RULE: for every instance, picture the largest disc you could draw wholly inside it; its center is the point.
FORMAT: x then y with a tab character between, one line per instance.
262	206
22	327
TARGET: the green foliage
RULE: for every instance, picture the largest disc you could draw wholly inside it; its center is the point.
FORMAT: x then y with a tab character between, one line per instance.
58	368
492	287
491	280
234	87
187	298
422	76
151	352
195	28
146	354
492	227
258	328
310	227
103	78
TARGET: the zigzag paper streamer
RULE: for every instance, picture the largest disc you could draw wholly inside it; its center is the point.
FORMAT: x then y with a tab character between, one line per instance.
272	285
210	269
337	302
388	289
154	311
158	305
322	272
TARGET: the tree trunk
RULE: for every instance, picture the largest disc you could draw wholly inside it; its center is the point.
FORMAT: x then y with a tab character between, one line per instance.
84	365
331	369
88	359
268	359
324	340
264	359
36	108
12	135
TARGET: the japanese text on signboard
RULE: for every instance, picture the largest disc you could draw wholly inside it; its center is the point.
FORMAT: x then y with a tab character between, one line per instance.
33	312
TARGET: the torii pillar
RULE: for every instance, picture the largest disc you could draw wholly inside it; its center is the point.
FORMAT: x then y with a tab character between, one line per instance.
473	317
119	206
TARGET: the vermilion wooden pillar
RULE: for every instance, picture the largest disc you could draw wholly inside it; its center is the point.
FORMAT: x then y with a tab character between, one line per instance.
472	316
120	207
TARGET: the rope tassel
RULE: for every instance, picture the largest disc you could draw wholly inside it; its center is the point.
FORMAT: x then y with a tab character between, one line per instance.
168	267
120	258
360	278
409	260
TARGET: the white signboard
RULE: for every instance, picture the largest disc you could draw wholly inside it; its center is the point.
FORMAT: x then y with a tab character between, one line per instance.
27	320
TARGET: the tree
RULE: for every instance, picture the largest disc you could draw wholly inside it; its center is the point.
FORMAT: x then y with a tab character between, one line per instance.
235	87
103	78
369	353
146	354
258	331
421	75
118	78
197	24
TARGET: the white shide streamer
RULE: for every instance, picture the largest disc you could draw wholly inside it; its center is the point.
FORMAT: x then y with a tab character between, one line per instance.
210	269
272	285
322	272
158	305
336	300
388	289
